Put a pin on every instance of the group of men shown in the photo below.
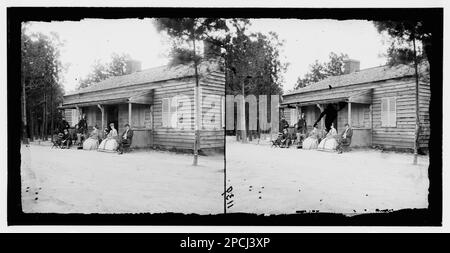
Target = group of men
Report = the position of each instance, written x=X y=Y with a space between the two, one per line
x=344 y=139
x=77 y=136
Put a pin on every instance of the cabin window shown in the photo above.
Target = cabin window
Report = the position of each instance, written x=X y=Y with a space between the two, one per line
x=169 y=112
x=389 y=112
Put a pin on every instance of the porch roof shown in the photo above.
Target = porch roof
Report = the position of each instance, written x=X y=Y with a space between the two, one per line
x=142 y=97
x=361 y=97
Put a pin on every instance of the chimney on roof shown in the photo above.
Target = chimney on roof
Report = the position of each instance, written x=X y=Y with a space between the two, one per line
x=132 y=66
x=210 y=50
x=351 y=66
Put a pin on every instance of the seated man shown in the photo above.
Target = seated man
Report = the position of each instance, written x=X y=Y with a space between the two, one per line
x=125 y=138
x=285 y=139
x=66 y=139
x=346 y=139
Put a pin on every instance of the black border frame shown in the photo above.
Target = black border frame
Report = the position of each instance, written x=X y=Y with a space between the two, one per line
x=408 y=217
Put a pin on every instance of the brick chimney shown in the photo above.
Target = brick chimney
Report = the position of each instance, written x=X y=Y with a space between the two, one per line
x=351 y=66
x=132 y=66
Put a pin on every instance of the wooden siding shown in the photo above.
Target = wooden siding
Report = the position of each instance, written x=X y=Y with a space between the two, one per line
x=403 y=89
x=183 y=136
x=147 y=119
x=424 y=115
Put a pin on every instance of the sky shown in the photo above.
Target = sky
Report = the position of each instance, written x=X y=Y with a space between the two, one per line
x=89 y=40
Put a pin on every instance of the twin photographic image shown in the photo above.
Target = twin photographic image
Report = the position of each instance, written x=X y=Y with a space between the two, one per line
x=224 y=115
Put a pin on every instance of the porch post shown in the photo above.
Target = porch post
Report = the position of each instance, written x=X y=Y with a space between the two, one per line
x=299 y=110
x=129 y=113
x=349 y=116
x=78 y=113
x=103 y=117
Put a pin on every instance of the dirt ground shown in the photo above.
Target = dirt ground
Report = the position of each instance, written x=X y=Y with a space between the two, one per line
x=268 y=180
x=78 y=181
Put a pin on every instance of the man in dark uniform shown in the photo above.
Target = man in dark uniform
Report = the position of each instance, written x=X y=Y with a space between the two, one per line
x=301 y=129
x=82 y=124
x=283 y=124
x=63 y=124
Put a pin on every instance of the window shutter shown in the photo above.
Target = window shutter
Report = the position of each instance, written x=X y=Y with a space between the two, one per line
x=392 y=112
x=165 y=112
x=384 y=112
x=173 y=112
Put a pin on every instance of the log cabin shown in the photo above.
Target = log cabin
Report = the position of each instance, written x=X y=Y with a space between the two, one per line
x=159 y=105
x=379 y=105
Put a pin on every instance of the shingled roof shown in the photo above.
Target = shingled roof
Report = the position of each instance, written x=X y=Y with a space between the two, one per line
x=150 y=75
x=359 y=77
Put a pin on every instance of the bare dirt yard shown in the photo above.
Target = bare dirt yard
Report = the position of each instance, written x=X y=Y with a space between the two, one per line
x=268 y=180
x=78 y=181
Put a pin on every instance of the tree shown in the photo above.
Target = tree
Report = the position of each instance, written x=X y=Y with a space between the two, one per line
x=410 y=32
x=403 y=33
x=253 y=59
x=101 y=71
x=185 y=31
x=319 y=71
x=40 y=74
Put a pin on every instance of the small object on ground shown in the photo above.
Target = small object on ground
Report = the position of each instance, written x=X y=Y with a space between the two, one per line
x=365 y=210
x=377 y=210
x=250 y=186
x=35 y=198
x=259 y=197
x=301 y=211
x=259 y=192
x=26 y=191
x=354 y=211
x=262 y=187
x=28 y=187
x=320 y=200
x=36 y=193
x=367 y=195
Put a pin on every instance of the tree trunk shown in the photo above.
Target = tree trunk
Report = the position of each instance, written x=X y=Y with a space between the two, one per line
x=44 y=116
x=24 y=113
x=243 y=121
x=51 y=112
x=197 y=106
x=417 y=130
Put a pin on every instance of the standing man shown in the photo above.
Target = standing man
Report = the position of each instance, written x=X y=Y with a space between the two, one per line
x=346 y=139
x=63 y=124
x=125 y=138
x=82 y=124
x=301 y=128
x=283 y=124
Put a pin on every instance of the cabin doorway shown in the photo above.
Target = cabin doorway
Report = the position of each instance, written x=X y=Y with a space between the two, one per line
x=112 y=116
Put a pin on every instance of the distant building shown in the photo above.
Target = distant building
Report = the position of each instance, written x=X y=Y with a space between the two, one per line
x=158 y=103
x=379 y=104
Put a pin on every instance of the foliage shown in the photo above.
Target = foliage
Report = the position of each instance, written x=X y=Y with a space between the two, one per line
x=250 y=58
x=402 y=34
x=41 y=70
x=319 y=71
x=185 y=31
x=253 y=59
x=101 y=71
